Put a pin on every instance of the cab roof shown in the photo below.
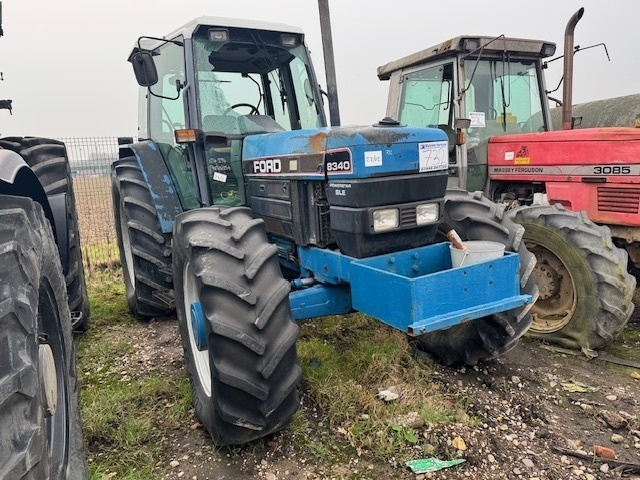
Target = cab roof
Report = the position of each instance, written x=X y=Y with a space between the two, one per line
x=451 y=47
x=189 y=28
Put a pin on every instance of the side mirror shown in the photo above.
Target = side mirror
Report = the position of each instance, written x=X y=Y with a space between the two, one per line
x=462 y=123
x=144 y=68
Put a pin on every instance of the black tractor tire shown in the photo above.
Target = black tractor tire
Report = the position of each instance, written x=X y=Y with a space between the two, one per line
x=585 y=290
x=48 y=160
x=145 y=251
x=475 y=217
x=244 y=382
x=41 y=430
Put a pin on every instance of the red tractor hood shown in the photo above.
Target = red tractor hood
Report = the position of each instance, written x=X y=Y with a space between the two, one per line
x=592 y=169
x=564 y=148
x=604 y=134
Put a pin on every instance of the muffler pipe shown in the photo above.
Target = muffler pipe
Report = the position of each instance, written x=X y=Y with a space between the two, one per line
x=567 y=91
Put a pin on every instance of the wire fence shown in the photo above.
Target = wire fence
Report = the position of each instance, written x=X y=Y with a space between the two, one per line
x=90 y=159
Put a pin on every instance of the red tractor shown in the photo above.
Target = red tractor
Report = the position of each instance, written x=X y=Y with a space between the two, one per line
x=576 y=192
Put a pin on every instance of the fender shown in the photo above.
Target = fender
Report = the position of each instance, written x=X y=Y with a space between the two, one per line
x=159 y=181
x=17 y=179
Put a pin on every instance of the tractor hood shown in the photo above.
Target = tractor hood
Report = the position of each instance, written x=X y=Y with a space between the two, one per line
x=565 y=152
x=347 y=152
x=607 y=134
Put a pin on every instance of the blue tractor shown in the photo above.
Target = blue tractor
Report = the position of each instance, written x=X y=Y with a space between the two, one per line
x=242 y=210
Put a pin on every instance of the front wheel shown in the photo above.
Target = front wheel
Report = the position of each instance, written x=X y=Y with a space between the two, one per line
x=475 y=217
x=237 y=330
x=40 y=427
x=585 y=290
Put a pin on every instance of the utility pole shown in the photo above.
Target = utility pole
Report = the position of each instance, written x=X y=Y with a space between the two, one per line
x=329 y=62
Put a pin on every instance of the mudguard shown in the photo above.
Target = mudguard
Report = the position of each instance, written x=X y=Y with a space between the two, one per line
x=159 y=181
x=17 y=178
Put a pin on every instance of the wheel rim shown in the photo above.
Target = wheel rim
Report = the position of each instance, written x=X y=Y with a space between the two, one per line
x=200 y=358
x=56 y=426
x=557 y=299
x=126 y=246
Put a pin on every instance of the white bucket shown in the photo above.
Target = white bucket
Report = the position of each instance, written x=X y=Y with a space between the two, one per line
x=479 y=251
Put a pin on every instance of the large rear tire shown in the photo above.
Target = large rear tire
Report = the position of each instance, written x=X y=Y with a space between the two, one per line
x=475 y=217
x=41 y=431
x=48 y=160
x=244 y=380
x=145 y=251
x=585 y=290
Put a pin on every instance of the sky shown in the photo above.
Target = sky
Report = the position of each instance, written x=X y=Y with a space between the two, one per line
x=64 y=62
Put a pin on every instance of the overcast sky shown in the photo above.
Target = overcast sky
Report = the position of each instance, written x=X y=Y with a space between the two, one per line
x=65 y=68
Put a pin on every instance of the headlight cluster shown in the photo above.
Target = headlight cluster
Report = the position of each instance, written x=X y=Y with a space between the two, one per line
x=427 y=213
x=389 y=218
x=385 y=220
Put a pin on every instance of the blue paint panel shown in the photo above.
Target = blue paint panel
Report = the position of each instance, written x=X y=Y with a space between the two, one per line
x=325 y=265
x=413 y=289
x=416 y=290
x=159 y=182
x=397 y=146
x=320 y=300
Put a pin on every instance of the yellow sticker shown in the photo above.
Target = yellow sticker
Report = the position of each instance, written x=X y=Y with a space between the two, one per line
x=522 y=161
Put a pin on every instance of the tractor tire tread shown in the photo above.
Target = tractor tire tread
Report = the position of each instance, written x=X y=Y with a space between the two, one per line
x=48 y=160
x=149 y=247
x=28 y=260
x=475 y=217
x=603 y=273
x=252 y=335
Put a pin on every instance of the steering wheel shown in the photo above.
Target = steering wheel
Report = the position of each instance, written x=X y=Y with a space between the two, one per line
x=254 y=110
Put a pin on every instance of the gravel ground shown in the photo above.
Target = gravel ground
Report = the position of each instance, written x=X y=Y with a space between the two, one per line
x=529 y=403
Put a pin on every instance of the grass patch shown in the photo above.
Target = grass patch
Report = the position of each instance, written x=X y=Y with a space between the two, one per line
x=126 y=413
x=346 y=361
x=124 y=423
x=627 y=345
x=107 y=299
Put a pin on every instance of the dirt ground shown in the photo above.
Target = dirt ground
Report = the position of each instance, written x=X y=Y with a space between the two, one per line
x=530 y=403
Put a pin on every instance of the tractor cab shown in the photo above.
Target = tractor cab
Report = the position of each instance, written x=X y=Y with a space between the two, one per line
x=222 y=79
x=488 y=86
x=235 y=112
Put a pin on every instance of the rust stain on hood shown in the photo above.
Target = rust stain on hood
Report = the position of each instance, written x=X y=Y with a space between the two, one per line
x=317 y=142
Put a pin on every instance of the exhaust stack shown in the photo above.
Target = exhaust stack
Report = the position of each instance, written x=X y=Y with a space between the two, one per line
x=567 y=91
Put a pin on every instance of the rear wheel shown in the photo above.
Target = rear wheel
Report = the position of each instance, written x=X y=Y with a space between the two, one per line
x=585 y=290
x=475 y=217
x=236 y=325
x=48 y=160
x=41 y=434
x=145 y=251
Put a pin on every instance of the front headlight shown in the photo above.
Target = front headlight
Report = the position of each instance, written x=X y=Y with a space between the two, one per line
x=384 y=220
x=427 y=213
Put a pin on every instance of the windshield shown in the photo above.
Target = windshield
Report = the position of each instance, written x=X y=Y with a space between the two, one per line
x=503 y=97
x=252 y=84
x=426 y=97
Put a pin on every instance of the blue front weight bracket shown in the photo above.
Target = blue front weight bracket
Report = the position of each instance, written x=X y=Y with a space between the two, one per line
x=416 y=291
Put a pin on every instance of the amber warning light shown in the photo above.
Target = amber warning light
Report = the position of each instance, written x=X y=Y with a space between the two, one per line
x=187 y=136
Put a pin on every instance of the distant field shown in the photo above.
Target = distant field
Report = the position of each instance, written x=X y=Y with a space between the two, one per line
x=95 y=219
